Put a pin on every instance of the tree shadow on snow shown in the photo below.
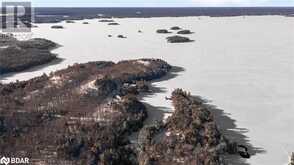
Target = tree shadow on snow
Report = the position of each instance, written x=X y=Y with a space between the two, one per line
x=225 y=123
x=229 y=129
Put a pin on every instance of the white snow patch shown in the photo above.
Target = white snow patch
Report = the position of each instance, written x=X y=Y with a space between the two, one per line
x=146 y=63
x=88 y=87
x=166 y=116
x=31 y=94
x=56 y=80
x=105 y=113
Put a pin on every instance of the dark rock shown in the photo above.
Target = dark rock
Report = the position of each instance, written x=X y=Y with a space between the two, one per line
x=70 y=21
x=121 y=36
x=109 y=35
x=106 y=20
x=113 y=23
x=243 y=151
x=162 y=31
x=57 y=27
x=85 y=22
x=139 y=31
x=185 y=32
x=175 y=28
x=178 y=39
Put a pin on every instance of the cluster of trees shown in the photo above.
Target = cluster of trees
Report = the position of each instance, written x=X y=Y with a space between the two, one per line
x=190 y=135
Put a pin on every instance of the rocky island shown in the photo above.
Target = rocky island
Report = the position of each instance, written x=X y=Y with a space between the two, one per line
x=175 y=28
x=113 y=23
x=20 y=55
x=184 y=32
x=178 y=39
x=121 y=36
x=57 y=27
x=106 y=20
x=70 y=21
x=162 y=31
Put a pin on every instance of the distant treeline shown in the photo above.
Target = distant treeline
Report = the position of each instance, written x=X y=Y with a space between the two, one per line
x=58 y=14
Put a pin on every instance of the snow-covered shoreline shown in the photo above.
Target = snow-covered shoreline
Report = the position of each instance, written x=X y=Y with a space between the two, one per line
x=243 y=64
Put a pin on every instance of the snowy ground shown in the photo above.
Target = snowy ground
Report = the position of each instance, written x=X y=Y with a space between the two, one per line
x=244 y=65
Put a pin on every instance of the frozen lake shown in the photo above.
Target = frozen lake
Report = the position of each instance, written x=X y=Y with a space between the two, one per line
x=244 y=65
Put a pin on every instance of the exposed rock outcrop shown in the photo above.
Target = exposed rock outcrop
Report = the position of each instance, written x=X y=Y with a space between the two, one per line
x=162 y=31
x=184 y=32
x=70 y=21
x=178 y=39
x=113 y=23
x=106 y=20
x=57 y=27
x=175 y=28
x=121 y=36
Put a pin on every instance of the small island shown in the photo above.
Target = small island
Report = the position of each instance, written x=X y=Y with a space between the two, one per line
x=175 y=28
x=162 y=31
x=70 y=21
x=184 y=32
x=178 y=39
x=57 y=27
x=106 y=20
x=17 y=55
x=121 y=36
x=113 y=23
